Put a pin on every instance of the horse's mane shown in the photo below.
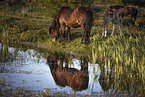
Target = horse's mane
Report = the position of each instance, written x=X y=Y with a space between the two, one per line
x=55 y=22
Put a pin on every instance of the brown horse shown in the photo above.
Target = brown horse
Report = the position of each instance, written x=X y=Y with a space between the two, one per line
x=64 y=76
x=124 y=11
x=72 y=18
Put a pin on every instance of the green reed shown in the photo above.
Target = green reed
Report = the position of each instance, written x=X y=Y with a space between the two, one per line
x=125 y=54
x=5 y=35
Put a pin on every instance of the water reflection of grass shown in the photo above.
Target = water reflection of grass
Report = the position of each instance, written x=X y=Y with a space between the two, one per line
x=126 y=56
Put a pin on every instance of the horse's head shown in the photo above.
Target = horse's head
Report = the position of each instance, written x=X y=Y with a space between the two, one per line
x=111 y=14
x=55 y=35
x=54 y=32
x=53 y=57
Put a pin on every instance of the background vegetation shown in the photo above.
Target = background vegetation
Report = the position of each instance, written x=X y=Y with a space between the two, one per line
x=28 y=21
x=50 y=7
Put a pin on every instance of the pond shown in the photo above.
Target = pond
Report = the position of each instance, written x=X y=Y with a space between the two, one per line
x=31 y=69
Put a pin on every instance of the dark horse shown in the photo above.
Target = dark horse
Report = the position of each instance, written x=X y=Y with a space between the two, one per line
x=124 y=11
x=72 y=18
x=67 y=76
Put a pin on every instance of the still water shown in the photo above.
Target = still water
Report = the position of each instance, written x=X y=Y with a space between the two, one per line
x=34 y=70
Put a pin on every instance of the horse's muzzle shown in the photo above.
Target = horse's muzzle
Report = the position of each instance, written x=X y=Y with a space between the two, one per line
x=53 y=39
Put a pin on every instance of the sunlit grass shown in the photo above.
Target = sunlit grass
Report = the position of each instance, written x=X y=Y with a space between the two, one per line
x=5 y=34
x=126 y=55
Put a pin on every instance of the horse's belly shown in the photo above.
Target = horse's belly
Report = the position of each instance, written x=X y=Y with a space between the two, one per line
x=76 y=25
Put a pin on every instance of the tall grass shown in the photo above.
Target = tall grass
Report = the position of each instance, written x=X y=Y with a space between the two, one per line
x=23 y=29
x=126 y=55
x=5 y=35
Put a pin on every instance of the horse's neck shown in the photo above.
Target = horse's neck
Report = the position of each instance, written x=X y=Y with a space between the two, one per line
x=55 y=25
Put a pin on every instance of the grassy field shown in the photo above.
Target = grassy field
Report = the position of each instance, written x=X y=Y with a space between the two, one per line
x=123 y=53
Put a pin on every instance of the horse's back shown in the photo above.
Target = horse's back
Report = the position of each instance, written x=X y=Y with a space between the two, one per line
x=74 y=17
x=65 y=12
x=85 y=10
x=124 y=11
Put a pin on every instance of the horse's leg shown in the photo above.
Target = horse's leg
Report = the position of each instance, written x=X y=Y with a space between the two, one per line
x=113 y=27
x=87 y=39
x=119 y=26
x=63 y=33
x=66 y=62
x=68 y=32
x=133 y=16
x=83 y=28
x=105 y=29
x=87 y=32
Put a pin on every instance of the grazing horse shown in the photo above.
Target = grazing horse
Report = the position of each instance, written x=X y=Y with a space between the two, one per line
x=113 y=16
x=124 y=11
x=72 y=18
x=67 y=76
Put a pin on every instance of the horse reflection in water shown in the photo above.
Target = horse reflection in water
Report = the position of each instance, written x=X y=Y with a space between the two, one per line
x=64 y=76
x=106 y=78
